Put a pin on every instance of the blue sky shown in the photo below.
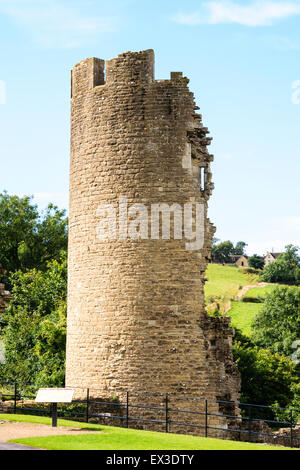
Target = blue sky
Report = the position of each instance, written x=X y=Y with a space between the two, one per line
x=242 y=59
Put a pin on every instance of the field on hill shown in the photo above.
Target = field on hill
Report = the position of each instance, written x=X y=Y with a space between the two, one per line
x=260 y=292
x=242 y=315
x=225 y=282
x=113 y=438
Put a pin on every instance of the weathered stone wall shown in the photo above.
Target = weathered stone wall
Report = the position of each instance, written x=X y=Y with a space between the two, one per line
x=136 y=317
x=5 y=298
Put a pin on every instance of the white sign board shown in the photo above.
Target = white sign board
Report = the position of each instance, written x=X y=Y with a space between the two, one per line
x=54 y=395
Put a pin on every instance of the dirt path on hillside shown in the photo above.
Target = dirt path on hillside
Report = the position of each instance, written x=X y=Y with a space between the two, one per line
x=246 y=289
x=14 y=430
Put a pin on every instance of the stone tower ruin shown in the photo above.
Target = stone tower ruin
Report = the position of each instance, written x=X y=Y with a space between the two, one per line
x=136 y=312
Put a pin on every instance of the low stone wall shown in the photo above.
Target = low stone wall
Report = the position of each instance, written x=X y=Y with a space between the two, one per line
x=283 y=437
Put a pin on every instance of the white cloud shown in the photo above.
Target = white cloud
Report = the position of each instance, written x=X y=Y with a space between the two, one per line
x=54 y=24
x=258 y=13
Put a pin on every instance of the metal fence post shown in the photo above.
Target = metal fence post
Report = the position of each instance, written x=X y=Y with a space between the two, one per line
x=15 y=397
x=292 y=436
x=87 y=405
x=127 y=409
x=250 y=424
x=167 y=413
x=206 y=418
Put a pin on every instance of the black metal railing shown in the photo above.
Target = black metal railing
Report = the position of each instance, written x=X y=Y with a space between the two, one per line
x=203 y=415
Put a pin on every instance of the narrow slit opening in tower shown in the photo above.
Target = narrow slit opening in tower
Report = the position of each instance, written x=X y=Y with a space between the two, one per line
x=202 y=178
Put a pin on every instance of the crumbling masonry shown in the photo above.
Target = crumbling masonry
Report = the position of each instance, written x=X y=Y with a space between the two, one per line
x=136 y=314
x=5 y=298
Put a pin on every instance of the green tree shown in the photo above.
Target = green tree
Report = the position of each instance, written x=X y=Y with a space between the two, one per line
x=34 y=326
x=222 y=252
x=277 y=325
x=239 y=248
x=267 y=378
x=291 y=255
x=256 y=262
x=27 y=239
x=285 y=269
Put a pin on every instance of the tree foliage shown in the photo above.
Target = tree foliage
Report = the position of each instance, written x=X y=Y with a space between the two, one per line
x=277 y=325
x=285 y=269
x=255 y=261
x=222 y=252
x=268 y=378
x=27 y=239
x=34 y=326
x=240 y=248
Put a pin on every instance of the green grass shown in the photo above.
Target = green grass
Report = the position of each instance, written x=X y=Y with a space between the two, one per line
x=125 y=439
x=46 y=420
x=224 y=281
x=242 y=315
x=260 y=292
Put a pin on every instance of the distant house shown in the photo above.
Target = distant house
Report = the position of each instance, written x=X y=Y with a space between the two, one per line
x=270 y=257
x=240 y=260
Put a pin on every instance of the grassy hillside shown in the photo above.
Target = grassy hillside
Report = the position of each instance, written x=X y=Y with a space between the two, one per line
x=260 y=292
x=225 y=281
x=242 y=315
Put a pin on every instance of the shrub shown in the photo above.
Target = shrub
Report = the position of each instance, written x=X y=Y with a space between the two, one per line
x=267 y=378
x=277 y=325
x=34 y=327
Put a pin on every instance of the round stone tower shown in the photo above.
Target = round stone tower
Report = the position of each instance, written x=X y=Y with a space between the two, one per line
x=140 y=239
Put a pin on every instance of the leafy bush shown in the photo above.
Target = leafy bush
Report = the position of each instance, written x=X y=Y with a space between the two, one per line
x=277 y=325
x=286 y=268
x=34 y=326
x=256 y=262
x=254 y=300
x=267 y=378
x=252 y=271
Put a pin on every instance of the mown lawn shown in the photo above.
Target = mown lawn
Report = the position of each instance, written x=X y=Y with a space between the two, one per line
x=224 y=281
x=125 y=439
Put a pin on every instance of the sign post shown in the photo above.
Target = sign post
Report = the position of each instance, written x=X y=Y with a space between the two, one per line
x=54 y=415
x=54 y=396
